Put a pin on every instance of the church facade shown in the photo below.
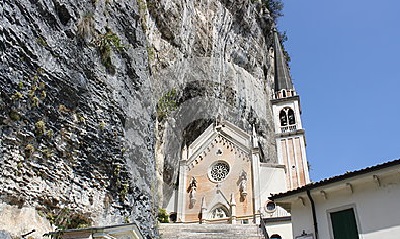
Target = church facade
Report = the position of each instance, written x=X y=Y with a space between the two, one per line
x=222 y=178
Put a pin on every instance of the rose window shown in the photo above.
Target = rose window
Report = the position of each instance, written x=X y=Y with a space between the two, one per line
x=219 y=171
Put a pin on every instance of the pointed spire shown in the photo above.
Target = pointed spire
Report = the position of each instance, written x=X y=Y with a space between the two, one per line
x=255 y=140
x=203 y=203
x=232 y=201
x=185 y=152
x=282 y=75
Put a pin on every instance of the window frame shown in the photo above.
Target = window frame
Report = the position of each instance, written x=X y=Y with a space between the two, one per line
x=342 y=208
x=285 y=111
x=210 y=177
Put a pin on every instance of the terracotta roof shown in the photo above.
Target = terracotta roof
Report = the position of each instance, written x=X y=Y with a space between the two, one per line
x=334 y=179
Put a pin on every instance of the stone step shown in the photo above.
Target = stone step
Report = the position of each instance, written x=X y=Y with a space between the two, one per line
x=202 y=233
x=209 y=231
x=193 y=236
x=210 y=226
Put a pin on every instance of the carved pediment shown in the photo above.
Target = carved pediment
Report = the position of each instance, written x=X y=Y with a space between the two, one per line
x=230 y=136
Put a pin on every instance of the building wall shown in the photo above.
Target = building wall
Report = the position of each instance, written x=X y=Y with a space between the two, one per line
x=375 y=207
x=237 y=161
x=272 y=181
x=292 y=151
x=302 y=217
x=281 y=228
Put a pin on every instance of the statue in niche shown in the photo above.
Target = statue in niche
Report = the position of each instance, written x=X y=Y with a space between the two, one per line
x=193 y=184
x=243 y=184
x=192 y=191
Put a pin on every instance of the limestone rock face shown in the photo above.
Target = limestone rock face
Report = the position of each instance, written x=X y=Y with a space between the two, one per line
x=77 y=125
x=98 y=98
x=208 y=59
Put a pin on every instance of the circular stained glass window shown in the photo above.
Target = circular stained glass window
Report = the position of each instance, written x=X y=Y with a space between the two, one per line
x=219 y=171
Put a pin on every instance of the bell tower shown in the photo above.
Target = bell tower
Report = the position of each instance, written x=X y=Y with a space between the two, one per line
x=289 y=132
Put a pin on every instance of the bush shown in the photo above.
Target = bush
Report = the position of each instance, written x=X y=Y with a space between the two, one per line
x=275 y=8
x=40 y=127
x=163 y=215
x=166 y=104
x=107 y=42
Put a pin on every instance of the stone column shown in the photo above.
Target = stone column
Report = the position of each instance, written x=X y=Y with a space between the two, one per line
x=233 y=209
x=180 y=217
x=255 y=166
x=203 y=210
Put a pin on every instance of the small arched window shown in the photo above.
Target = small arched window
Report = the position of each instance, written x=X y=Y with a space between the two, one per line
x=291 y=117
x=287 y=117
x=283 y=118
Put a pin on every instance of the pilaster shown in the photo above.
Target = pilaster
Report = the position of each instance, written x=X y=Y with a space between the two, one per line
x=181 y=192
x=255 y=165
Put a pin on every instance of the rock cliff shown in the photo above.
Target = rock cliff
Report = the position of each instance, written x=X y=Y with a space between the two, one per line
x=208 y=59
x=98 y=97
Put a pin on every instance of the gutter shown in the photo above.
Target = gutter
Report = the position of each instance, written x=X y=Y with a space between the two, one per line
x=339 y=178
x=313 y=214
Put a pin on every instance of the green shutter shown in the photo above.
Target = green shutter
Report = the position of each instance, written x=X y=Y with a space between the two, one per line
x=344 y=224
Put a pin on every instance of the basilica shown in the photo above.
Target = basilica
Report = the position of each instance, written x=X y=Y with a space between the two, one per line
x=222 y=178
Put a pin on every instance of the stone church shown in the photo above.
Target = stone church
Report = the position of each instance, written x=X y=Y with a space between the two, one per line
x=221 y=176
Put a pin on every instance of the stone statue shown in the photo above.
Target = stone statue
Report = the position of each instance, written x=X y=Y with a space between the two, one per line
x=193 y=185
x=192 y=191
x=243 y=183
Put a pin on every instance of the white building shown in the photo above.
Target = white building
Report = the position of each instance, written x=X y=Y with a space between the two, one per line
x=362 y=204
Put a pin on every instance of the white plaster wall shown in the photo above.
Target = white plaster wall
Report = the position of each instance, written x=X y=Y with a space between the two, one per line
x=297 y=111
x=283 y=229
x=376 y=208
x=272 y=180
x=302 y=217
x=171 y=207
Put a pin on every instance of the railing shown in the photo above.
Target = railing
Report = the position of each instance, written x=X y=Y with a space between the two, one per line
x=263 y=228
x=289 y=128
x=239 y=220
x=283 y=94
x=244 y=219
x=218 y=220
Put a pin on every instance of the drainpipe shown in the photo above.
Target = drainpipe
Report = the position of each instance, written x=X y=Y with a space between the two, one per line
x=313 y=214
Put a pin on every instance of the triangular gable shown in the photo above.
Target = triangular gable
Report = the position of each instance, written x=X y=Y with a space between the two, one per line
x=216 y=201
x=240 y=140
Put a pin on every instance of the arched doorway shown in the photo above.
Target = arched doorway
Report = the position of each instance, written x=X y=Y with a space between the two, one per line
x=275 y=236
x=219 y=212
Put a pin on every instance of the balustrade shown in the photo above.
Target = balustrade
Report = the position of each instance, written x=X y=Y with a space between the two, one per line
x=288 y=128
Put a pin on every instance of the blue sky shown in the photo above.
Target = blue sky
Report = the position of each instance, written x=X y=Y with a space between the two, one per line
x=345 y=66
